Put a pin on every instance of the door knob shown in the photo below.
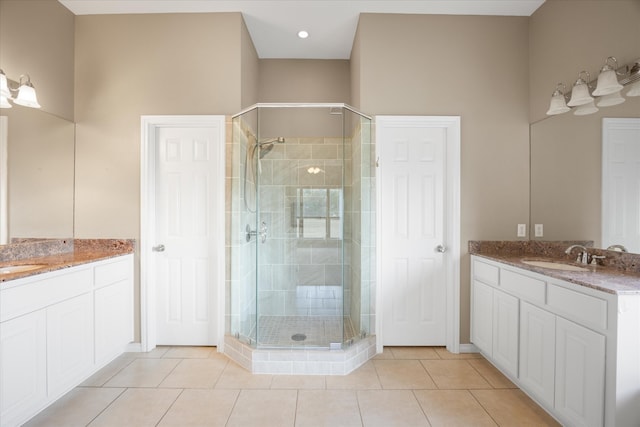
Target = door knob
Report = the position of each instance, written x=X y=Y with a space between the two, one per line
x=158 y=248
x=441 y=248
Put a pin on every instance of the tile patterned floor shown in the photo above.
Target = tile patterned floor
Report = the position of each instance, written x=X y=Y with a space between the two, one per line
x=319 y=331
x=196 y=386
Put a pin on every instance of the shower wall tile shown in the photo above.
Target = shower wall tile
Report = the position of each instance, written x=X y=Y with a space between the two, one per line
x=284 y=171
x=326 y=151
x=311 y=275
x=325 y=255
x=333 y=274
x=272 y=198
x=265 y=170
x=312 y=140
x=332 y=175
x=297 y=151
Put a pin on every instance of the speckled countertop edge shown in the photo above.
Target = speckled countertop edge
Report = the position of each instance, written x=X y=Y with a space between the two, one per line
x=74 y=252
x=608 y=278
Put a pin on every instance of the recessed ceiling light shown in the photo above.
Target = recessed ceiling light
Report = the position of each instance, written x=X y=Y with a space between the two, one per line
x=303 y=34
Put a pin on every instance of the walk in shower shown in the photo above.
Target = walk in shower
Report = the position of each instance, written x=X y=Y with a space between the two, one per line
x=302 y=227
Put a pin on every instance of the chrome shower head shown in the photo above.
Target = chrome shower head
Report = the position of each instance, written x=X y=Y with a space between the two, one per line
x=267 y=145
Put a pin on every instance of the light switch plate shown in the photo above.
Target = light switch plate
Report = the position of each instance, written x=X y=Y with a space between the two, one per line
x=522 y=230
x=538 y=230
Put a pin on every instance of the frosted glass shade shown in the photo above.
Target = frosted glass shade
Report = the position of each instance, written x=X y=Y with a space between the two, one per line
x=610 y=99
x=580 y=94
x=634 y=90
x=27 y=96
x=558 y=105
x=607 y=83
x=4 y=86
x=586 y=109
x=4 y=102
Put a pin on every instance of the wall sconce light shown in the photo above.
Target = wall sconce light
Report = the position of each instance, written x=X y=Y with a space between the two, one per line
x=26 y=92
x=609 y=85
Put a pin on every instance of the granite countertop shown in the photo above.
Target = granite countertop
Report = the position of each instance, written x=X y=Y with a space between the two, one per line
x=603 y=279
x=69 y=254
x=618 y=274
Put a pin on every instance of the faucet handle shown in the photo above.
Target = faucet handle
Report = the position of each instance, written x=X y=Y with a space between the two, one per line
x=595 y=258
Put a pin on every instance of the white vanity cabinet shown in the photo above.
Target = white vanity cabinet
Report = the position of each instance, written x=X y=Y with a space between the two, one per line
x=57 y=329
x=571 y=343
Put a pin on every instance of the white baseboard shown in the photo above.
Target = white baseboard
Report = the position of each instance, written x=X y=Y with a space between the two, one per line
x=134 y=347
x=469 y=348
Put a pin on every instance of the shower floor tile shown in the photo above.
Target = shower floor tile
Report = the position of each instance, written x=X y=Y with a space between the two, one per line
x=311 y=331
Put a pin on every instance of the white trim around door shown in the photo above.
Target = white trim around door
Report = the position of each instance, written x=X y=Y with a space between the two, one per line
x=149 y=128
x=452 y=233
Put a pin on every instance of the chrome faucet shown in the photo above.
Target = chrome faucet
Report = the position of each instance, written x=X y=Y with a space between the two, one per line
x=617 y=248
x=584 y=255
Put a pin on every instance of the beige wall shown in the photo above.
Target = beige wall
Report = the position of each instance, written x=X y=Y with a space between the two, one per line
x=37 y=38
x=133 y=65
x=250 y=68
x=566 y=37
x=566 y=150
x=473 y=67
x=304 y=80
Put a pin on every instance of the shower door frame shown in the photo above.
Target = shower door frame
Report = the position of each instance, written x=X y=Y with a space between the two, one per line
x=256 y=226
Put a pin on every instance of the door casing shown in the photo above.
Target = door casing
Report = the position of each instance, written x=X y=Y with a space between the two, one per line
x=149 y=128
x=452 y=232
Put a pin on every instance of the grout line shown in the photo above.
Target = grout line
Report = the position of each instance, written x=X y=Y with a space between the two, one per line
x=170 y=406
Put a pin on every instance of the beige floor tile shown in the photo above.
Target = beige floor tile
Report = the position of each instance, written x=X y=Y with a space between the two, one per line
x=414 y=352
x=137 y=407
x=76 y=408
x=143 y=373
x=156 y=353
x=298 y=382
x=187 y=352
x=201 y=408
x=236 y=377
x=195 y=373
x=363 y=378
x=403 y=374
x=490 y=373
x=445 y=354
x=386 y=354
x=512 y=408
x=105 y=374
x=386 y=408
x=454 y=374
x=331 y=408
x=264 y=408
x=452 y=408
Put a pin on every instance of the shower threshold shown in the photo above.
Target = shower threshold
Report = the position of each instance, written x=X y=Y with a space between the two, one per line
x=300 y=360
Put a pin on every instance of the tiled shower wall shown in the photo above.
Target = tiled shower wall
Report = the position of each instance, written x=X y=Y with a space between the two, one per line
x=289 y=264
x=288 y=261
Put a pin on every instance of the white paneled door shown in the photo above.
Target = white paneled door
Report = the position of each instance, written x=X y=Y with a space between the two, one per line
x=184 y=245
x=621 y=183
x=412 y=177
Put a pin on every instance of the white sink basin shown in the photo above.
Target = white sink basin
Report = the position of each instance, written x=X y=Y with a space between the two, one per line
x=554 y=265
x=8 y=269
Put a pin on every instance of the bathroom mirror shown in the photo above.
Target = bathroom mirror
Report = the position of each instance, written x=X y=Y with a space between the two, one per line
x=566 y=171
x=37 y=175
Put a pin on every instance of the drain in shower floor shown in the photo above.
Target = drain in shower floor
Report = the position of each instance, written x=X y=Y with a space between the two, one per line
x=298 y=337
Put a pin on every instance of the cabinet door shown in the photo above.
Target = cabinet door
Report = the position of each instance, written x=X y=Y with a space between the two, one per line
x=538 y=352
x=113 y=320
x=23 y=364
x=505 y=331
x=69 y=343
x=580 y=369
x=482 y=317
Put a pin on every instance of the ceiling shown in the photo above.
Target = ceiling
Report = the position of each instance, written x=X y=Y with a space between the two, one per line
x=331 y=24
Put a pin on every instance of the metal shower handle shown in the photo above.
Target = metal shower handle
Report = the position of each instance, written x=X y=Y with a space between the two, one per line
x=263 y=232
